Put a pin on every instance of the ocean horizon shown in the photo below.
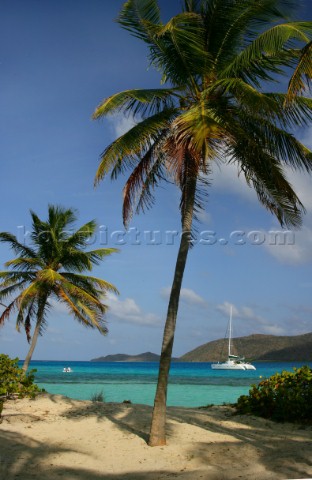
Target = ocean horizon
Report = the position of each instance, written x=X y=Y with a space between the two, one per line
x=191 y=384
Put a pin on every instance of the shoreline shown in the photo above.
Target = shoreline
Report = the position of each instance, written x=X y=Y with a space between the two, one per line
x=57 y=437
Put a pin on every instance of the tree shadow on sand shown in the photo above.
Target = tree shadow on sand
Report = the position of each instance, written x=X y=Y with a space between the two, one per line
x=283 y=450
x=129 y=418
x=22 y=458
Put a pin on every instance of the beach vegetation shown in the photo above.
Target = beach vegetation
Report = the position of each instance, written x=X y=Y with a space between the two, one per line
x=218 y=61
x=98 y=397
x=52 y=268
x=14 y=383
x=284 y=397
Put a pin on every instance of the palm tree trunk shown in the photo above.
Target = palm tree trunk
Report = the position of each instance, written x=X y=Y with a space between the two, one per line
x=32 y=345
x=158 y=426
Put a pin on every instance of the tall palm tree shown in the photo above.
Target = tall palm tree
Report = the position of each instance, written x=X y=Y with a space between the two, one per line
x=51 y=268
x=217 y=59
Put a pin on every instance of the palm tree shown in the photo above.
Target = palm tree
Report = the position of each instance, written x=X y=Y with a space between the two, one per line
x=51 y=268
x=217 y=59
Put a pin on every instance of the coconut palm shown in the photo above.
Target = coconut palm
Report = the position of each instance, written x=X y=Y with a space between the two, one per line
x=217 y=59
x=51 y=269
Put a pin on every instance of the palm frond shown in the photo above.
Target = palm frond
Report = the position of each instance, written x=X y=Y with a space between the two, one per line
x=265 y=174
x=267 y=48
x=16 y=246
x=297 y=85
x=6 y=292
x=96 y=256
x=180 y=51
x=245 y=95
x=297 y=113
x=27 y=296
x=90 y=314
x=76 y=292
x=233 y=24
x=11 y=277
x=24 y=264
x=138 y=102
x=277 y=142
x=5 y=315
x=60 y=218
x=88 y=282
x=122 y=153
x=145 y=177
x=80 y=237
x=136 y=16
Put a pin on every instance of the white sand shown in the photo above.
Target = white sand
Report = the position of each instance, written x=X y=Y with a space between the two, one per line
x=54 y=437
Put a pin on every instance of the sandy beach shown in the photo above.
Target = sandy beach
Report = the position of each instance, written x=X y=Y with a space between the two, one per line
x=54 y=437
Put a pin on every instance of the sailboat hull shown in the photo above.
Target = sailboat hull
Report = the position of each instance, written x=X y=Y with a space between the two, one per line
x=230 y=365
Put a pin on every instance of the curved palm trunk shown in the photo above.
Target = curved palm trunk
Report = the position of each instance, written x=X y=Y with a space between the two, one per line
x=32 y=346
x=40 y=314
x=158 y=426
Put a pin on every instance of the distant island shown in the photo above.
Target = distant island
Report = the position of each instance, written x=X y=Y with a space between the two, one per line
x=256 y=347
x=122 y=357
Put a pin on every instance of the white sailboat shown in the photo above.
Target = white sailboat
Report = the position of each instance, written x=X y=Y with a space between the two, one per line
x=234 y=362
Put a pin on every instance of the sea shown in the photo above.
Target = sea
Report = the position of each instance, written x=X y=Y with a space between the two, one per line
x=190 y=384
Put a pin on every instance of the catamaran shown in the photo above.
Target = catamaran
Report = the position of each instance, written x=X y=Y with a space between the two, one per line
x=234 y=362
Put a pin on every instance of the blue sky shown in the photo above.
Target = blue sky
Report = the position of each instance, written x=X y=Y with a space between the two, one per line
x=58 y=60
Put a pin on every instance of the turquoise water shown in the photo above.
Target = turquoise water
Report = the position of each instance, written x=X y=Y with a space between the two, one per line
x=191 y=384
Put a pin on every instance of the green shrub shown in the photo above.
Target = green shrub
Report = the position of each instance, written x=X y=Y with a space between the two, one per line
x=98 y=397
x=14 y=381
x=283 y=397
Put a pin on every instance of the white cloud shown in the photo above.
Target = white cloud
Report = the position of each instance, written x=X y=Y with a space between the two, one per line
x=187 y=295
x=58 y=306
x=121 y=124
x=227 y=178
x=302 y=184
x=225 y=308
x=274 y=330
x=128 y=311
x=204 y=217
x=299 y=251
x=243 y=312
x=255 y=321
x=294 y=253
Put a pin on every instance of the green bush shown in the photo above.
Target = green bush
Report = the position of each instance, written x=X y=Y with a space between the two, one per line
x=284 y=397
x=14 y=381
x=97 y=397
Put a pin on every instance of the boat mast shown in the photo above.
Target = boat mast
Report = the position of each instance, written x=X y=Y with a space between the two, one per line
x=230 y=331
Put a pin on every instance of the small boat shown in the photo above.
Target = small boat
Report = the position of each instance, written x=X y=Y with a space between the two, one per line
x=233 y=362
x=67 y=370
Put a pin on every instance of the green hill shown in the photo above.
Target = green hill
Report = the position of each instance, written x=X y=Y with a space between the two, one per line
x=256 y=347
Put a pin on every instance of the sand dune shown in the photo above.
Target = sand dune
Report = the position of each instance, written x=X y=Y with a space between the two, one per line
x=54 y=437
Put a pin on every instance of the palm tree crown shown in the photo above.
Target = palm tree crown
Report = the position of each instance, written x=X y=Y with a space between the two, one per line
x=215 y=61
x=51 y=268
